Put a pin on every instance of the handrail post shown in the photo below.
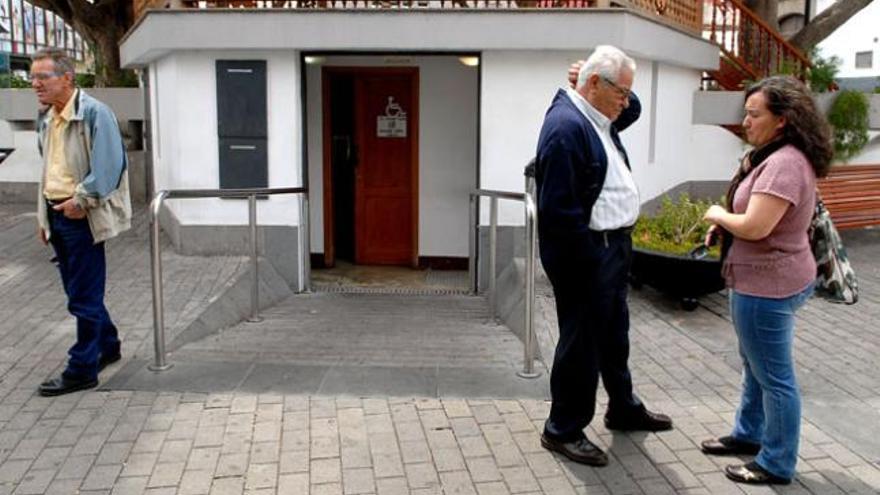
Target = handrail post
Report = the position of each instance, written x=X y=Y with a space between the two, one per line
x=529 y=310
x=252 y=234
x=473 y=228
x=306 y=284
x=493 y=255
x=156 y=271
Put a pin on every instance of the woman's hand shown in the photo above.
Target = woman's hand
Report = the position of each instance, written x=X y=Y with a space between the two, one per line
x=713 y=235
x=714 y=214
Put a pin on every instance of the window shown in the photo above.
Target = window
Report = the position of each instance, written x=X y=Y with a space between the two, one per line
x=864 y=60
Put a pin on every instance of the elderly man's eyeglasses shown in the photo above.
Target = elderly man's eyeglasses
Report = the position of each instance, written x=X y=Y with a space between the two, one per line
x=620 y=90
x=43 y=76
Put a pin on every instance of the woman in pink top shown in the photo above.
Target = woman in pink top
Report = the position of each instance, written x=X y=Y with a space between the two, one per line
x=770 y=270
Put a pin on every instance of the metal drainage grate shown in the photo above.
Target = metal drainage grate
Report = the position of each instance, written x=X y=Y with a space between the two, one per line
x=448 y=278
x=397 y=291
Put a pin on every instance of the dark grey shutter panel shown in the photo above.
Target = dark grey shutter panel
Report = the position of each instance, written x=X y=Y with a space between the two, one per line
x=243 y=163
x=242 y=123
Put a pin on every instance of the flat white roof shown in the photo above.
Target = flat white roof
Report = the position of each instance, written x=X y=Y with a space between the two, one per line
x=160 y=32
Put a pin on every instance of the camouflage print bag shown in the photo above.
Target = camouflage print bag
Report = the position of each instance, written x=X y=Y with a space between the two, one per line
x=835 y=278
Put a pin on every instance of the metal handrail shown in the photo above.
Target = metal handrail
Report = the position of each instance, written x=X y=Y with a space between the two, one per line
x=531 y=218
x=156 y=253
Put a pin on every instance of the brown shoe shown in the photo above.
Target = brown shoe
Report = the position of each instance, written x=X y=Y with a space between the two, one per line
x=727 y=445
x=644 y=420
x=581 y=451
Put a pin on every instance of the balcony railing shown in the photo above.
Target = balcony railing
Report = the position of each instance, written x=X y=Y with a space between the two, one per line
x=751 y=49
x=685 y=14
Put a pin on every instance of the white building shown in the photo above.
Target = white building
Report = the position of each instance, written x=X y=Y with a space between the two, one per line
x=856 y=42
x=391 y=118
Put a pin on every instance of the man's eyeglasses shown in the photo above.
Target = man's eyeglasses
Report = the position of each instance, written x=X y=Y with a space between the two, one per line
x=43 y=76
x=621 y=90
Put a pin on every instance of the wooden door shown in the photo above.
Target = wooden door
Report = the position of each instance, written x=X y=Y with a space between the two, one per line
x=386 y=177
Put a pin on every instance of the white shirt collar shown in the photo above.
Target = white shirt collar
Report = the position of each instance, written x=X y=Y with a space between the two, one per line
x=600 y=120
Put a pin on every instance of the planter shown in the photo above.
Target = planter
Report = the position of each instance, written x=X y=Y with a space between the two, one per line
x=682 y=277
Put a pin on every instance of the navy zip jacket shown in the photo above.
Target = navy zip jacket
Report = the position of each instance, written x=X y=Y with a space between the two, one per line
x=571 y=164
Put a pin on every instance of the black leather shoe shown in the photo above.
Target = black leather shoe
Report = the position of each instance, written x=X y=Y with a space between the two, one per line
x=581 y=451
x=753 y=474
x=64 y=385
x=727 y=445
x=644 y=420
x=107 y=359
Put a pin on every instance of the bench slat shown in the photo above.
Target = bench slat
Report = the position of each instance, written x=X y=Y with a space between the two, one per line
x=852 y=195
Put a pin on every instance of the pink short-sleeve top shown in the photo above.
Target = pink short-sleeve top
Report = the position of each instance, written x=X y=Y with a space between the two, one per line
x=781 y=264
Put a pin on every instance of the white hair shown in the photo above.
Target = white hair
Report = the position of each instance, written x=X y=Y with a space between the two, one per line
x=606 y=61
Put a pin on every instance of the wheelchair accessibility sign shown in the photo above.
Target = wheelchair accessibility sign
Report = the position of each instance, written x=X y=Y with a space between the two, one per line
x=393 y=123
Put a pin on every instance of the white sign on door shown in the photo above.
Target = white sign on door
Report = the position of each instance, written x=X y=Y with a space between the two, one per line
x=393 y=123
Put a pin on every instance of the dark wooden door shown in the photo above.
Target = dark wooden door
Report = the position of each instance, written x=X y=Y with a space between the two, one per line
x=386 y=177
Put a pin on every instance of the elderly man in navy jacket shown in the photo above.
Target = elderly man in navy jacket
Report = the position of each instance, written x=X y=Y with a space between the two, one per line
x=587 y=205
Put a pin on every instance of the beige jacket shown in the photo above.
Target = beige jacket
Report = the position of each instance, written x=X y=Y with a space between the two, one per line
x=96 y=157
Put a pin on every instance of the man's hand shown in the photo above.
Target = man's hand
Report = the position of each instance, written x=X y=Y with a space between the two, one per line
x=41 y=235
x=70 y=210
x=573 y=71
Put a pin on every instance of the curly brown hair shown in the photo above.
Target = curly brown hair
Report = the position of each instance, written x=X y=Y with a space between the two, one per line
x=805 y=127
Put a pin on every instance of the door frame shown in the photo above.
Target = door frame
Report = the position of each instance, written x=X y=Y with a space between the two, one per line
x=327 y=73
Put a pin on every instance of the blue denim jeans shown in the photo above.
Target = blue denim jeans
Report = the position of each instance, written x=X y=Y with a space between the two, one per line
x=83 y=273
x=769 y=412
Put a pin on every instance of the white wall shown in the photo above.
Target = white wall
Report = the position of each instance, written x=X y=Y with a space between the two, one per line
x=23 y=164
x=860 y=33
x=186 y=154
x=516 y=87
x=684 y=151
x=519 y=86
x=870 y=154
x=447 y=148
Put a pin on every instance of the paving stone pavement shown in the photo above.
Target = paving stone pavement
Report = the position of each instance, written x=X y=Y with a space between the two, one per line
x=219 y=442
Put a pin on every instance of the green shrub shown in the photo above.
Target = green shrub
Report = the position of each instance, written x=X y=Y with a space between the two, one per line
x=676 y=229
x=822 y=72
x=848 y=117
x=13 y=81
x=85 y=80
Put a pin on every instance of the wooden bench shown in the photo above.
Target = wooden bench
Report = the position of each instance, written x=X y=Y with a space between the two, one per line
x=852 y=195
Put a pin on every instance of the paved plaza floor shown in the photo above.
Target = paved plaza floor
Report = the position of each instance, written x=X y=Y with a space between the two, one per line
x=374 y=393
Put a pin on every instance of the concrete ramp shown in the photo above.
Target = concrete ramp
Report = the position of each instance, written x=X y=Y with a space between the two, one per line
x=360 y=343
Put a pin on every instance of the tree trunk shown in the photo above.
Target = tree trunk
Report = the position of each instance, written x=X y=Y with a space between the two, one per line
x=755 y=41
x=102 y=24
x=107 y=69
x=767 y=10
x=821 y=26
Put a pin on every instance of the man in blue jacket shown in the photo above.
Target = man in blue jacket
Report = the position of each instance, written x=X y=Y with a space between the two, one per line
x=83 y=201
x=587 y=205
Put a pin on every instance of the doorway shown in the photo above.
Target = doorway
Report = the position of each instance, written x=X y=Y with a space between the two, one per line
x=370 y=165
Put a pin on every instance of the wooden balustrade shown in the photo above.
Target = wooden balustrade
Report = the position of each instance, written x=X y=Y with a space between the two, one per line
x=687 y=14
x=752 y=50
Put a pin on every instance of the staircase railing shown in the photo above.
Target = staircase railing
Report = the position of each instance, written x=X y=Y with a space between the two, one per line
x=751 y=49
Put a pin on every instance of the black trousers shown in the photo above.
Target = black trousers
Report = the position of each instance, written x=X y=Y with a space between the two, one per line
x=589 y=275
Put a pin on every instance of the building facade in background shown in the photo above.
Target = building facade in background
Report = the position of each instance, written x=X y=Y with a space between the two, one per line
x=24 y=29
